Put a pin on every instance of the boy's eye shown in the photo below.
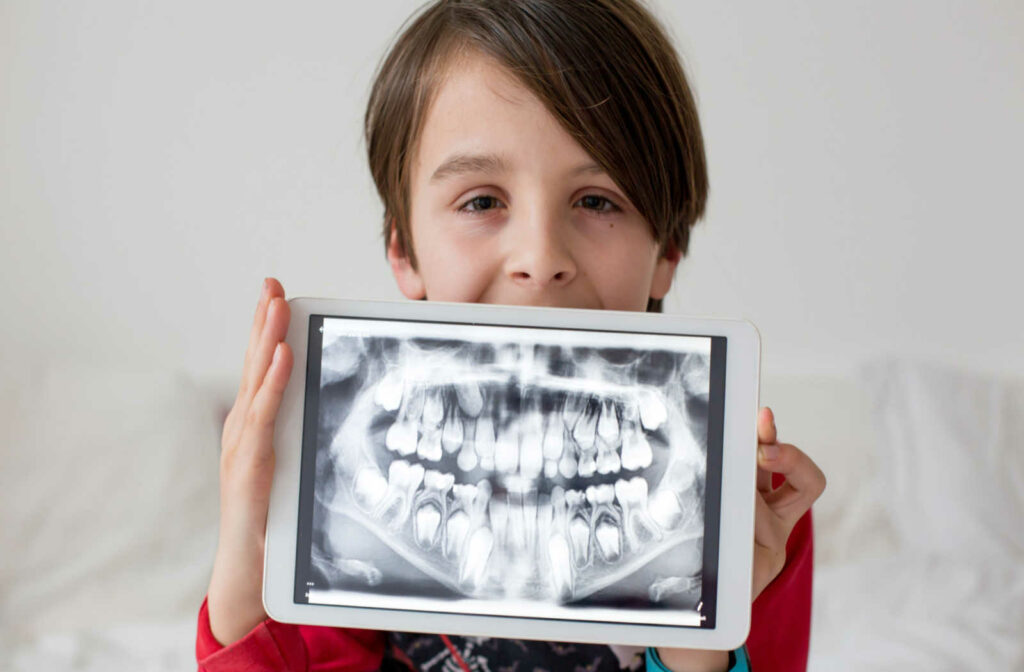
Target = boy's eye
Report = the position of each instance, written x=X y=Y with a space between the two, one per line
x=480 y=204
x=599 y=203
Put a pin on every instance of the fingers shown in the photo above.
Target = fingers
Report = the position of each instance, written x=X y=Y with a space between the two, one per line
x=766 y=432
x=804 y=480
x=271 y=290
x=275 y=328
x=270 y=325
x=764 y=480
x=257 y=322
x=262 y=412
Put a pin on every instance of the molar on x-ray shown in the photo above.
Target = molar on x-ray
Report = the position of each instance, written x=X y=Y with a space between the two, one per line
x=459 y=467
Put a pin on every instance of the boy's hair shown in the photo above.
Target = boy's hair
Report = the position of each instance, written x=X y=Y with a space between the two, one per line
x=605 y=69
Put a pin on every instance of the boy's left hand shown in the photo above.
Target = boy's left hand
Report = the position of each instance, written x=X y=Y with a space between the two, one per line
x=777 y=510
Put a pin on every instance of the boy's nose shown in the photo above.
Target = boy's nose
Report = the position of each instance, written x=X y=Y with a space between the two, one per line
x=539 y=259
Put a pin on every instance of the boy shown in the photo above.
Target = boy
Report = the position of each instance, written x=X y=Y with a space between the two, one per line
x=527 y=152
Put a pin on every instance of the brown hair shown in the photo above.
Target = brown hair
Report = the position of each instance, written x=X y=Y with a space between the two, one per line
x=605 y=69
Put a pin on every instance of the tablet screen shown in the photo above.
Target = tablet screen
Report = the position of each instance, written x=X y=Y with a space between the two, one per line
x=511 y=471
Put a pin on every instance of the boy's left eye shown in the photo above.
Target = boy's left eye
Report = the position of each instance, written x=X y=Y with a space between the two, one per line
x=599 y=203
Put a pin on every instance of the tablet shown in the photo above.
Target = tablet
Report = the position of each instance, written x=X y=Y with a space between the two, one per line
x=520 y=472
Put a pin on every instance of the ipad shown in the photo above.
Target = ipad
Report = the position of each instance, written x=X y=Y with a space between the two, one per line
x=520 y=472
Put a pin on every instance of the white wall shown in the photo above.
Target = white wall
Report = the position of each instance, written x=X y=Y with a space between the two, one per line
x=158 y=159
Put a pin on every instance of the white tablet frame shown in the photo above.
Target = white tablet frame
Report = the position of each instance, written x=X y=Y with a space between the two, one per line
x=737 y=490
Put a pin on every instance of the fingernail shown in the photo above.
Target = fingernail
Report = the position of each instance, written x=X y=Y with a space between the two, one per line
x=769 y=451
x=266 y=288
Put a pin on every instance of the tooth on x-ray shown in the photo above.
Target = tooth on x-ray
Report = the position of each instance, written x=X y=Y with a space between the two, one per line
x=361 y=569
x=670 y=585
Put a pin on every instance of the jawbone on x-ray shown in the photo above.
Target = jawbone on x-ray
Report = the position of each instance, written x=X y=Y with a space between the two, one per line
x=492 y=464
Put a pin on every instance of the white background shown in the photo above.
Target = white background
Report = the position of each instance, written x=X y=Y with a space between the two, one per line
x=157 y=160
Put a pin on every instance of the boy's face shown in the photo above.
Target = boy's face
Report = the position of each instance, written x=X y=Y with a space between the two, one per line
x=505 y=207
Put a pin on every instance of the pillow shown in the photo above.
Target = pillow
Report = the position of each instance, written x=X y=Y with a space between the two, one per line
x=108 y=497
x=950 y=459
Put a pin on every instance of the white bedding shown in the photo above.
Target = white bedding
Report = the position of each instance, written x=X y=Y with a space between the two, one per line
x=108 y=505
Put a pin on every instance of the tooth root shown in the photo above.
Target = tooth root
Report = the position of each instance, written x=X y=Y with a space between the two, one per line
x=455 y=532
x=530 y=521
x=473 y=567
x=553 y=440
x=652 y=410
x=664 y=509
x=516 y=524
x=433 y=409
x=636 y=451
x=561 y=567
x=497 y=512
x=401 y=438
x=579 y=534
x=522 y=522
x=585 y=430
x=426 y=524
x=470 y=397
x=370 y=487
x=572 y=410
x=632 y=496
x=389 y=391
x=588 y=465
x=451 y=434
x=609 y=541
x=608 y=425
x=429 y=447
x=607 y=458
x=506 y=450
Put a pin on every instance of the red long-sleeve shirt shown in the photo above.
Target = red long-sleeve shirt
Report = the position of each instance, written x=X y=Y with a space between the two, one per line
x=778 y=642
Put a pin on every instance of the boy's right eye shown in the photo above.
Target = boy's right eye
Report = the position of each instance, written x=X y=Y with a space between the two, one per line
x=480 y=204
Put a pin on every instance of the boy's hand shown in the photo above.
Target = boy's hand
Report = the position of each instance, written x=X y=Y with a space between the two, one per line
x=777 y=511
x=234 y=598
x=779 y=508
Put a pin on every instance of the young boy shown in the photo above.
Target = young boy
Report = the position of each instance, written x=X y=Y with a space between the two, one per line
x=531 y=152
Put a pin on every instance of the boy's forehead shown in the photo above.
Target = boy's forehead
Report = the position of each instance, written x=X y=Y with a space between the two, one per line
x=481 y=117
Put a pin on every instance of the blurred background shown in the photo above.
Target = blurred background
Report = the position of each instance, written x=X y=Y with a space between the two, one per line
x=158 y=160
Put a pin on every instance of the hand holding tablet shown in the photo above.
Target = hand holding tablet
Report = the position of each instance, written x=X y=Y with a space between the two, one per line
x=519 y=472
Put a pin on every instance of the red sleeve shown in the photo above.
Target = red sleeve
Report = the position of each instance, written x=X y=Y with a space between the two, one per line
x=273 y=646
x=780 y=625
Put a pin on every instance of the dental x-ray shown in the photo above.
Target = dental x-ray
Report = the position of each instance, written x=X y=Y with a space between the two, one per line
x=506 y=470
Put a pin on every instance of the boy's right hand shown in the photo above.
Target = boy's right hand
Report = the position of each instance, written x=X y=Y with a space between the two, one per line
x=234 y=598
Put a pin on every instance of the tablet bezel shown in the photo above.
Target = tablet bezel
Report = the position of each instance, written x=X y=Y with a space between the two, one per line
x=737 y=490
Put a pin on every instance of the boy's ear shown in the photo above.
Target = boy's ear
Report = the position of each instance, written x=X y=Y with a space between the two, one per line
x=665 y=271
x=408 y=279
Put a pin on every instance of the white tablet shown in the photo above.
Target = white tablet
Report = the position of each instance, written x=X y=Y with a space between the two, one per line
x=519 y=472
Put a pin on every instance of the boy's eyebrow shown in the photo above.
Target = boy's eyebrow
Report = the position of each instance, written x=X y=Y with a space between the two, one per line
x=458 y=164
